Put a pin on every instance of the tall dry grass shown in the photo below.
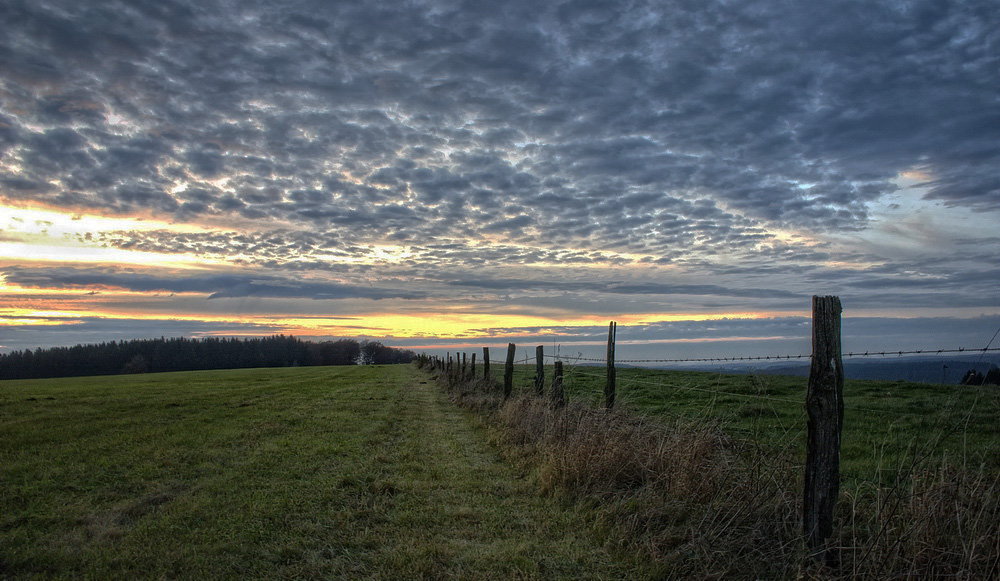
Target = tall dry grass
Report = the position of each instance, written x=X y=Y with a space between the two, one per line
x=696 y=502
x=704 y=505
x=941 y=522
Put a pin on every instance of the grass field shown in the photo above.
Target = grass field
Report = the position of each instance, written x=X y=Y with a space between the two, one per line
x=275 y=473
x=372 y=472
x=887 y=425
x=705 y=472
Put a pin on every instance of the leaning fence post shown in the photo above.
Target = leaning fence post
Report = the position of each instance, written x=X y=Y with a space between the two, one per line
x=558 y=396
x=486 y=363
x=539 y=370
x=508 y=371
x=825 y=406
x=609 y=386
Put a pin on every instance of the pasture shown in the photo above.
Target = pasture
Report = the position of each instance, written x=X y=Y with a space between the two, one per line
x=360 y=472
x=888 y=425
x=373 y=472
x=704 y=472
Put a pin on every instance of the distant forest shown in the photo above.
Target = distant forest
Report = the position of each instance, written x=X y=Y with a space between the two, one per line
x=179 y=354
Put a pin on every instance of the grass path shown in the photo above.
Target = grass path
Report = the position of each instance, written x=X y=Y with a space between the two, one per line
x=358 y=472
x=474 y=515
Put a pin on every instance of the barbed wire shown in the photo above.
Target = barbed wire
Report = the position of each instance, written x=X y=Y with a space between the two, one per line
x=691 y=360
x=582 y=371
x=849 y=355
x=919 y=352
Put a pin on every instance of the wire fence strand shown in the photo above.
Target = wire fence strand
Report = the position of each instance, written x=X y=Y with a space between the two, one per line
x=849 y=355
x=580 y=370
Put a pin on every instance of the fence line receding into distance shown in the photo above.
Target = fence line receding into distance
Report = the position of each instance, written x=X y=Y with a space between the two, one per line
x=824 y=402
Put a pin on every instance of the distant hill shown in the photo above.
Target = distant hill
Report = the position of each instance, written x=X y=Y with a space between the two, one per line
x=918 y=370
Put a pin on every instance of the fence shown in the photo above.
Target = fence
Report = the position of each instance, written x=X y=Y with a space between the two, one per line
x=824 y=403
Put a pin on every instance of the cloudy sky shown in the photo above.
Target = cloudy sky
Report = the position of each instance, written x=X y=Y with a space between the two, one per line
x=444 y=173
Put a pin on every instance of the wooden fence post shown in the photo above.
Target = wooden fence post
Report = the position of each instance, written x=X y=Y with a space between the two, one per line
x=558 y=396
x=472 y=369
x=486 y=363
x=508 y=371
x=540 y=370
x=609 y=386
x=825 y=406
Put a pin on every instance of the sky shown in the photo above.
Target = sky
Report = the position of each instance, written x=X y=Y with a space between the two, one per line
x=442 y=175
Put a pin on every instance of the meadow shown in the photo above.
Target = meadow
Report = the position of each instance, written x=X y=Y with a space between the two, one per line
x=374 y=472
x=704 y=472
x=888 y=425
x=356 y=472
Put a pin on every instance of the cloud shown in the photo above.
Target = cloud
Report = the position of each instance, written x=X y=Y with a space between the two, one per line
x=621 y=288
x=659 y=155
x=782 y=114
x=666 y=342
x=218 y=286
x=92 y=330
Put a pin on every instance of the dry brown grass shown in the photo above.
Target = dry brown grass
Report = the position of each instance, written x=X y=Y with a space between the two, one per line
x=685 y=495
x=944 y=525
x=705 y=505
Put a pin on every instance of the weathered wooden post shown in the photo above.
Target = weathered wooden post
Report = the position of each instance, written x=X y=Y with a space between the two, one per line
x=558 y=396
x=540 y=370
x=825 y=406
x=472 y=369
x=609 y=386
x=508 y=371
x=486 y=363
x=465 y=364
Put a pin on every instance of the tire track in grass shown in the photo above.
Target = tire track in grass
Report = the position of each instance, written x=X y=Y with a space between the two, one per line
x=306 y=473
x=450 y=507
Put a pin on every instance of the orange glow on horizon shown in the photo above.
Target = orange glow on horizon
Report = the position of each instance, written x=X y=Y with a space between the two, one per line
x=463 y=326
x=578 y=343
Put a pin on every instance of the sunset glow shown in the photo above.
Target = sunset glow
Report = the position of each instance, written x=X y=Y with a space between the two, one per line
x=430 y=175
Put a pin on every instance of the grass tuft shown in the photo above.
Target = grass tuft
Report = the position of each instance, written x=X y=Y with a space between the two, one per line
x=940 y=522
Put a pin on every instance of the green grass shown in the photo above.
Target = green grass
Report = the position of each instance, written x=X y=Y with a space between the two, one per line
x=888 y=426
x=703 y=472
x=274 y=473
x=372 y=472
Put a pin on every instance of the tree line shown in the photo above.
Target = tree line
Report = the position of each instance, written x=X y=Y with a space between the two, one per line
x=182 y=354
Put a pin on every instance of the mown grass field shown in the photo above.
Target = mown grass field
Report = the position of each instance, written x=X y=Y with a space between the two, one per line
x=372 y=472
x=356 y=472
x=888 y=426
